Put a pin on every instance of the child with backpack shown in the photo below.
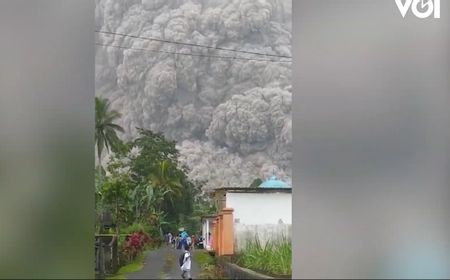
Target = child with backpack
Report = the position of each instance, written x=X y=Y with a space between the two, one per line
x=185 y=263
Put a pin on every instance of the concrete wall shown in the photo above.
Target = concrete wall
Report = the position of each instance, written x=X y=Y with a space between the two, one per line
x=260 y=208
x=243 y=233
x=233 y=271
x=261 y=214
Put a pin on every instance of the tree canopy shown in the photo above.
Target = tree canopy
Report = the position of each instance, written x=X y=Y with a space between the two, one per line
x=147 y=184
x=105 y=127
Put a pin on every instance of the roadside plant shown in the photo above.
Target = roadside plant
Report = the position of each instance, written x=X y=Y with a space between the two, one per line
x=274 y=257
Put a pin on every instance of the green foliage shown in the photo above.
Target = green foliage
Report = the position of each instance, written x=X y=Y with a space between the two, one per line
x=99 y=181
x=114 y=193
x=207 y=264
x=204 y=258
x=155 y=149
x=105 y=128
x=135 y=227
x=150 y=187
x=274 y=257
x=147 y=190
x=201 y=207
x=157 y=165
x=134 y=266
x=256 y=183
x=166 y=179
x=115 y=190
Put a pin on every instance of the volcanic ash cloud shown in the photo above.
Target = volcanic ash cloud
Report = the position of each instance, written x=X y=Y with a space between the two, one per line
x=231 y=117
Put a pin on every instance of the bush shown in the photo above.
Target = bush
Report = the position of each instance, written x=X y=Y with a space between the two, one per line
x=274 y=258
x=136 y=227
x=135 y=243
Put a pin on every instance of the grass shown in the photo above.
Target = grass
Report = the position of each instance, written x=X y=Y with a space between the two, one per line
x=203 y=258
x=134 y=266
x=273 y=258
x=207 y=265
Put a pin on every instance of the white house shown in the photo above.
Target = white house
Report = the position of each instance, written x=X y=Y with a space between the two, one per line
x=264 y=212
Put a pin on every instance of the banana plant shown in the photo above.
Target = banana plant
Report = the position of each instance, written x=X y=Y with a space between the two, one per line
x=158 y=219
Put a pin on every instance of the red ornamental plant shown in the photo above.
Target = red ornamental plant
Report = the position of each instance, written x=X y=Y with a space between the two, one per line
x=135 y=244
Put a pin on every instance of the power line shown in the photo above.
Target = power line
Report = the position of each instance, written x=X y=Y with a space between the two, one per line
x=193 y=54
x=191 y=44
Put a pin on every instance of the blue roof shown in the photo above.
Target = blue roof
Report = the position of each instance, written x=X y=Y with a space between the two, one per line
x=274 y=182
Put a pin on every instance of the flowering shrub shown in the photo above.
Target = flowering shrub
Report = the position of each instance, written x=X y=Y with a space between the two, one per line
x=134 y=244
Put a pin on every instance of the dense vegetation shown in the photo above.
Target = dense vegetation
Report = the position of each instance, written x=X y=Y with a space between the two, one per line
x=143 y=186
x=144 y=183
x=273 y=257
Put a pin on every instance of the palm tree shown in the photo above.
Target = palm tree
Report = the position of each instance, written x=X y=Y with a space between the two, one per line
x=105 y=128
x=167 y=181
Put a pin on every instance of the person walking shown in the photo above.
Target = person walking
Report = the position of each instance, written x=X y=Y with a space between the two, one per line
x=177 y=242
x=194 y=242
x=185 y=263
x=183 y=240
x=184 y=234
x=169 y=239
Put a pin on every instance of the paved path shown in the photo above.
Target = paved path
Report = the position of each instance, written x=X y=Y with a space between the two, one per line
x=163 y=264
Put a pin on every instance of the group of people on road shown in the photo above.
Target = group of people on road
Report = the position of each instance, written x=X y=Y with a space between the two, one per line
x=184 y=242
x=181 y=240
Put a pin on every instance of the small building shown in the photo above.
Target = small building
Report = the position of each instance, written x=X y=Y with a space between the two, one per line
x=264 y=212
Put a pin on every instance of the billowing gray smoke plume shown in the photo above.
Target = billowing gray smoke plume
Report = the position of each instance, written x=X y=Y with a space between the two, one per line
x=231 y=117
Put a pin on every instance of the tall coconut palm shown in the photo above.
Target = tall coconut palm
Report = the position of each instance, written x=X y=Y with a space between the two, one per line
x=105 y=128
x=167 y=180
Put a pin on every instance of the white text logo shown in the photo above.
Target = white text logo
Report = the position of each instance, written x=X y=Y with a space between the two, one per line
x=420 y=8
